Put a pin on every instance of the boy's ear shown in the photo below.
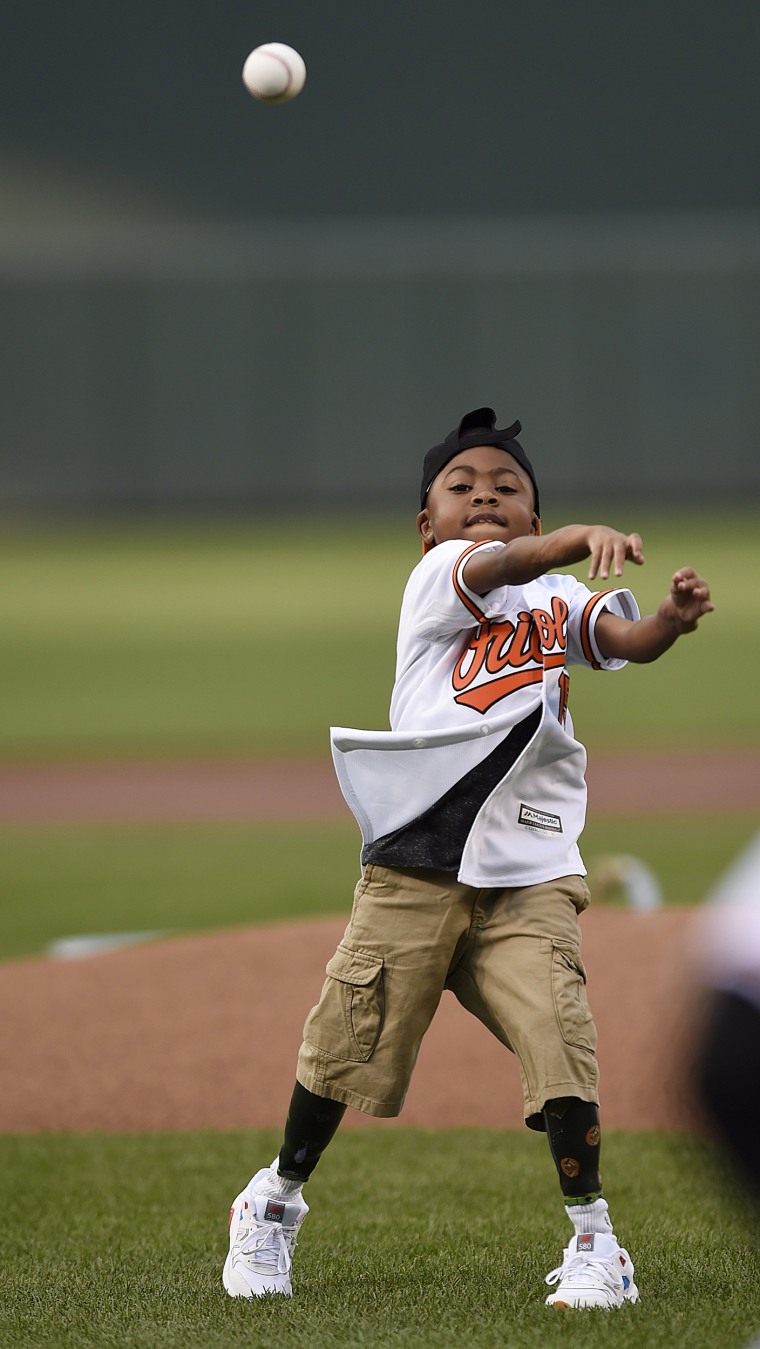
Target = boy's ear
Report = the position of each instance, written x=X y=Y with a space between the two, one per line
x=536 y=524
x=426 y=530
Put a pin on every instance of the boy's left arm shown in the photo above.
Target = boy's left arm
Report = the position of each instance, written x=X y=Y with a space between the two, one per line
x=650 y=637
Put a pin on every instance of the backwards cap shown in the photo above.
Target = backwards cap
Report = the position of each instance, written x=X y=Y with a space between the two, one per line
x=475 y=428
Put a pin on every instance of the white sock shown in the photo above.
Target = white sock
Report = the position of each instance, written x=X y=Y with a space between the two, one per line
x=590 y=1218
x=279 y=1187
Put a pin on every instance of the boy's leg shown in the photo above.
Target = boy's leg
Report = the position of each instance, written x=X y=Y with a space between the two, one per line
x=574 y=1134
x=595 y=1271
x=266 y=1216
x=264 y=1222
x=311 y=1124
x=523 y=976
x=383 y=986
x=360 y=1044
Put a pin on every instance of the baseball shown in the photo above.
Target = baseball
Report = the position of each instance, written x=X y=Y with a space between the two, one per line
x=274 y=73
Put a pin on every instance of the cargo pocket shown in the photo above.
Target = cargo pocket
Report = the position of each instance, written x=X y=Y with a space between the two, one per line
x=570 y=1001
x=348 y=1020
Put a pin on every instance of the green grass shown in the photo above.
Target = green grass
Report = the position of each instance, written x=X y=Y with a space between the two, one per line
x=181 y=641
x=416 y=1238
x=238 y=640
x=686 y=853
x=698 y=694
x=65 y=881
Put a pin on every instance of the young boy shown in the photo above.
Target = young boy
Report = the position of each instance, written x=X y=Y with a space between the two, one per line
x=470 y=809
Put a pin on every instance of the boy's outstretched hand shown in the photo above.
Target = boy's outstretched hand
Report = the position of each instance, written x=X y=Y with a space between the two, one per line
x=688 y=600
x=608 y=549
x=648 y=638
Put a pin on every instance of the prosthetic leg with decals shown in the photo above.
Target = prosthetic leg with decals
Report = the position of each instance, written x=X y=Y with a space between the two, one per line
x=596 y=1271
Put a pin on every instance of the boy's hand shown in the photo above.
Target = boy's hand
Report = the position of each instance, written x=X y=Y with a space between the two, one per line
x=609 y=548
x=688 y=600
x=650 y=637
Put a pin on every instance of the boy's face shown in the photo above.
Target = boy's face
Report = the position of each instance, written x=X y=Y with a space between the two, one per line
x=482 y=493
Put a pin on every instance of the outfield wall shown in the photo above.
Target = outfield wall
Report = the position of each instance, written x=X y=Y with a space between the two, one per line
x=182 y=367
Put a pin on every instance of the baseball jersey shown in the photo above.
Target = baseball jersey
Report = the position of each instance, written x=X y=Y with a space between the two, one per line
x=480 y=773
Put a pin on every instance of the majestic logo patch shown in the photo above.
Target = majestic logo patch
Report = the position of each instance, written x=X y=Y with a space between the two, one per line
x=571 y=1167
x=593 y=1135
x=541 y=821
x=274 y=1211
x=586 y=1242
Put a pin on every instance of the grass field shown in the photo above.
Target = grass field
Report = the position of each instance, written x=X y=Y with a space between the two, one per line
x=415 y=1238
x=189 y=641
x=70 y=880
x=172 y=640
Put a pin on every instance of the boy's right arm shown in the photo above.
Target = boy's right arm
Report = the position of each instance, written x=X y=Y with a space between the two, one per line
x=524 y=559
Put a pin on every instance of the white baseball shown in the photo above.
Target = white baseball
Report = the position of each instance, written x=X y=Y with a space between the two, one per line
x=274 y=73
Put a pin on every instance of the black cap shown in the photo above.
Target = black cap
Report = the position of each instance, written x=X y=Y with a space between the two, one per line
x=475 y=428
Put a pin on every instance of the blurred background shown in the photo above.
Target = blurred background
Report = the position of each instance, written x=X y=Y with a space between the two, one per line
x=231 y=331
x=548 y=207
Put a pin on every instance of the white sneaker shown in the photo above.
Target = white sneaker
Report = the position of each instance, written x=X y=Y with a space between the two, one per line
x=595 y=1272
x=263 y=1235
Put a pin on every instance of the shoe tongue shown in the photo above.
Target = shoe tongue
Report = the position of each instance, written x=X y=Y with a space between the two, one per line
x=274 y=1211
x=277 y=1211
x=588 y=1243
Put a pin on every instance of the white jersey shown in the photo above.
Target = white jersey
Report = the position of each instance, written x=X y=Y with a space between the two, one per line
x=481 y=682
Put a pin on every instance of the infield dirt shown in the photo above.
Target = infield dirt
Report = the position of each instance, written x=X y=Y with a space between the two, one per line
x=203 y=1031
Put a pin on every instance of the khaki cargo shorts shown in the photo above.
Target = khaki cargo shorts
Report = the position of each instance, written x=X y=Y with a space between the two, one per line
x=511 y=957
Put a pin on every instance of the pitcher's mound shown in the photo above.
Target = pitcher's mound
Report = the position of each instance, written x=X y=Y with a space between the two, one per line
x=203 y=1031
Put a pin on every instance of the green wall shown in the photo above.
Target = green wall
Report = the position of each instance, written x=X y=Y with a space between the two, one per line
x=215 y=368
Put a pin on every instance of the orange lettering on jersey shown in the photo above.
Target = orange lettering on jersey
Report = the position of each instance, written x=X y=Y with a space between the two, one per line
x=475 y=651
x=516 y=649
x=485 y=695
x=537 y=641
x=552 y=627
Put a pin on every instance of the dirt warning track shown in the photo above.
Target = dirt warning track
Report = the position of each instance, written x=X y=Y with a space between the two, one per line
x=307 y=789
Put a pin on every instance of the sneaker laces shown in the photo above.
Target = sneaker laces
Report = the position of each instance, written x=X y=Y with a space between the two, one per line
x=266 y=1248
x=574 y=1266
